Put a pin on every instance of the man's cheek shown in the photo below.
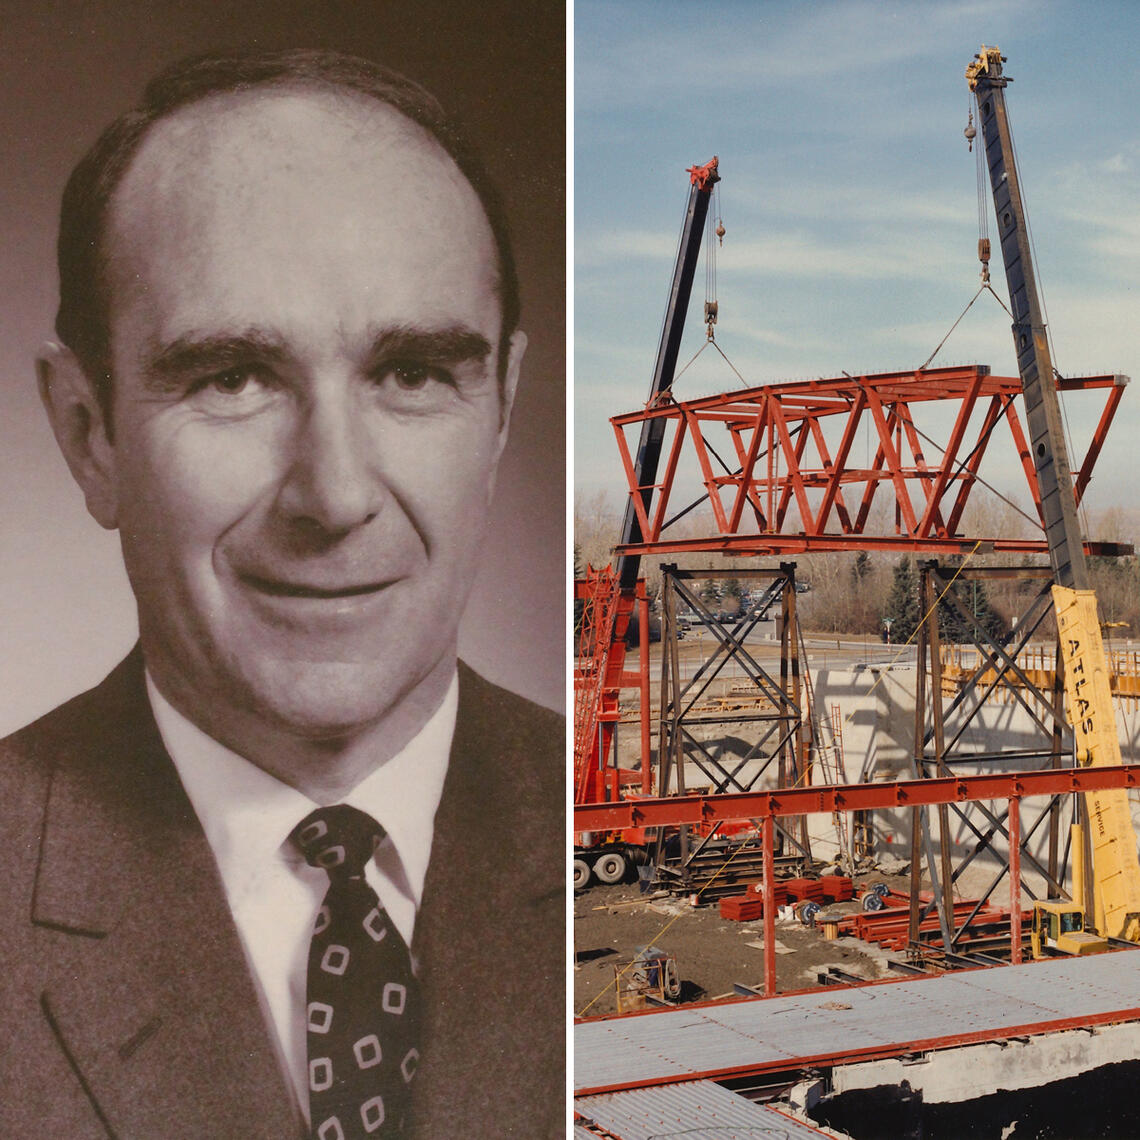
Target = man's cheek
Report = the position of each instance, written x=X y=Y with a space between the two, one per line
x=211 y=477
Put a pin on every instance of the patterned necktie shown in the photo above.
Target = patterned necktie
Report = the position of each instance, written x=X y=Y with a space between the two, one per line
x=362 y=1001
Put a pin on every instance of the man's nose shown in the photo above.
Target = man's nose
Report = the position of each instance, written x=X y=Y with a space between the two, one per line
x=333 y=478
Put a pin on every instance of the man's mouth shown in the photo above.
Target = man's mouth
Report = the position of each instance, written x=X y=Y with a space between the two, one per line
x=285 y=589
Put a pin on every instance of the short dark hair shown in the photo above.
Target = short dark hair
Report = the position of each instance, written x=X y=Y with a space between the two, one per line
x=82 y=322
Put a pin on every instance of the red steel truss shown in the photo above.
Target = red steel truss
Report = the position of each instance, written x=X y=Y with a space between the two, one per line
x=778 y=467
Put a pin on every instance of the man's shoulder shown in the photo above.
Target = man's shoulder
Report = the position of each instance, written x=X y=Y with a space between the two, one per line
x=510 y=719
x=86 y=724
x=508 y=760
x=97 y=743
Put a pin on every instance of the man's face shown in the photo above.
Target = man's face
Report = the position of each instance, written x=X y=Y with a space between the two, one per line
x=307 y=411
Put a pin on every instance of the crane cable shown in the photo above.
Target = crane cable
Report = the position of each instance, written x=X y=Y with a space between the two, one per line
x=983 y=204
x=983 y=238
x=711 y=305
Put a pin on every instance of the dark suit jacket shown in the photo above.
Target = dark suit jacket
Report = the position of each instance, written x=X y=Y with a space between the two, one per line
x=126 y=1006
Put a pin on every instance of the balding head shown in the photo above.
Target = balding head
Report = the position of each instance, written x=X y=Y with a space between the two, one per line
x=83 y=320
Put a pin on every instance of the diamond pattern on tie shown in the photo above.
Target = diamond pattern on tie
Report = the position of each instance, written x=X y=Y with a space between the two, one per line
x=362 y=1002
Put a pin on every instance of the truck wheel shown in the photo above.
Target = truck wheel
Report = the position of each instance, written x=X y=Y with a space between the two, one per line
x=610 y=868
x=581 y=874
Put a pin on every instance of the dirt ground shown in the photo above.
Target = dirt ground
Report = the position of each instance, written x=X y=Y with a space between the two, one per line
x=612 y=923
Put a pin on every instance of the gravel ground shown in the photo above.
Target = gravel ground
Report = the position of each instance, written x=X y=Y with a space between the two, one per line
x=611 y=924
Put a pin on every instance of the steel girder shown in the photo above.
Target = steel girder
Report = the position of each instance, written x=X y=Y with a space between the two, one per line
x=776 y=467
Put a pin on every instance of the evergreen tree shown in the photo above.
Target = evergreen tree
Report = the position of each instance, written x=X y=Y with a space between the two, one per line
x=903 y=610
x=731 y=595
x=579 y=603
x=711 y=593
x=952 y=626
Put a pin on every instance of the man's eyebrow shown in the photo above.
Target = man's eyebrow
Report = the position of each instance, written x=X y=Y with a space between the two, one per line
x=165 y=366
x=451 y=344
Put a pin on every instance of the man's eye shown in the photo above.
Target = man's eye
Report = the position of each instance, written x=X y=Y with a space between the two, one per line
x=233 y=381
x=240 y=390
x=411 y=376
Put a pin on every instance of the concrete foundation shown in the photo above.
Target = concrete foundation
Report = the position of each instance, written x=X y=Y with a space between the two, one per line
x=972 y=1071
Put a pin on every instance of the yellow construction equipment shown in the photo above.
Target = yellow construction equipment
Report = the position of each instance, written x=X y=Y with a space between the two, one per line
x=1059 y=928
x=1115 y=868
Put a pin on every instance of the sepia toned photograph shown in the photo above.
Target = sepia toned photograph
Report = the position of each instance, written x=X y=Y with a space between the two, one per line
x=282 y=498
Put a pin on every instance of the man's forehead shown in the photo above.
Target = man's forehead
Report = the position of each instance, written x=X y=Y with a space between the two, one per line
x=295 y=176
x=290 y=124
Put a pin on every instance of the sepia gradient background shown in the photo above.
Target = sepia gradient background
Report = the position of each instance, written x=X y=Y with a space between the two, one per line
x=67 y=67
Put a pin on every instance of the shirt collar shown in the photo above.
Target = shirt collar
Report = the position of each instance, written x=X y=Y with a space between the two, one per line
x=247 y=814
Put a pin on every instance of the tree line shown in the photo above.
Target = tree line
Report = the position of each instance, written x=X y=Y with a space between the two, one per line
x=858 y=592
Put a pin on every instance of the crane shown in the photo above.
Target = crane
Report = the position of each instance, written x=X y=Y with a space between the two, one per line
x=1115 y=869
x=612 y=593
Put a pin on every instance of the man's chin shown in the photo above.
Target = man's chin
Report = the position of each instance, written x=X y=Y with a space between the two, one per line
x=324 y=706
x=337 y=702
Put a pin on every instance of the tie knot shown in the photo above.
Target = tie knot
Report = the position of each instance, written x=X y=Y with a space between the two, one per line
x=339 y=839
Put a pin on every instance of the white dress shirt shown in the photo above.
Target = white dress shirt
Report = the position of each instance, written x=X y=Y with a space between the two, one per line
x=274 y=895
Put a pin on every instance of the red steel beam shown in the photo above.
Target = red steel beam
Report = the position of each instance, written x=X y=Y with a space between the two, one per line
x=774 y=544
x=769 y=893
x=1099 y=435
x=780 y=802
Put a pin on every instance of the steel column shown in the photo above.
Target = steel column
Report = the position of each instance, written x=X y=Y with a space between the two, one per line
x=769 y=828
x=1015 y=879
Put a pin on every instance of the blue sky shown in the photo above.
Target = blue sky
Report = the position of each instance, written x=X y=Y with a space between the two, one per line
x=848 y=194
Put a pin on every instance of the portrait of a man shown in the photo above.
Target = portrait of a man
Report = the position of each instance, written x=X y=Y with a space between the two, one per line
x=292 y=868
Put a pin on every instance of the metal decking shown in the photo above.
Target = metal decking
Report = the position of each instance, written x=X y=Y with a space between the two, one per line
x=839 y=1025
x=696 y=1110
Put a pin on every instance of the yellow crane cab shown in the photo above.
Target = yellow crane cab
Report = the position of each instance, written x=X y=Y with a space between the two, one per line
x=1059 y=928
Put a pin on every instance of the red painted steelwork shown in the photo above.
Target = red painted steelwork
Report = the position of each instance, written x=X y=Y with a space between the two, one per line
x=769 y=893
x=1014 y=824
x=795 y=485
x=701 y=176
x=599 y=677
x=781 y=802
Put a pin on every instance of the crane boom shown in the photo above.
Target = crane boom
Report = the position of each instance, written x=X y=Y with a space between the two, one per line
x=702 y=180
x=1034 y=363
x=1115 y=866
x=611 y=596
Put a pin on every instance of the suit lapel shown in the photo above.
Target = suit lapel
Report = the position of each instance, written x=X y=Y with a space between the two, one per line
x=153 y=1003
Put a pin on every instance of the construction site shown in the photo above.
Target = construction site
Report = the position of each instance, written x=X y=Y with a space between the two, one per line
x=857 y=887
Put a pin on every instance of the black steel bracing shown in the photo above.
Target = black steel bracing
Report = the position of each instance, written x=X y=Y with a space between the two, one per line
x=1008 y=676
x=731 y=645
x=937 y=749
x=775 y=732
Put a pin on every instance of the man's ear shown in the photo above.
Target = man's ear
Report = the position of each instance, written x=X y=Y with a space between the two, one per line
x=507 y=390
x=77 y=420
x=509 y=387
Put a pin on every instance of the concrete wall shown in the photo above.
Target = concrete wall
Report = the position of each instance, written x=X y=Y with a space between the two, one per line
x=877 y=713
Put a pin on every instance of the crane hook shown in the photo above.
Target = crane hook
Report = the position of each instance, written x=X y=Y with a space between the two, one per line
x=720 y=231
x=970 y=132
